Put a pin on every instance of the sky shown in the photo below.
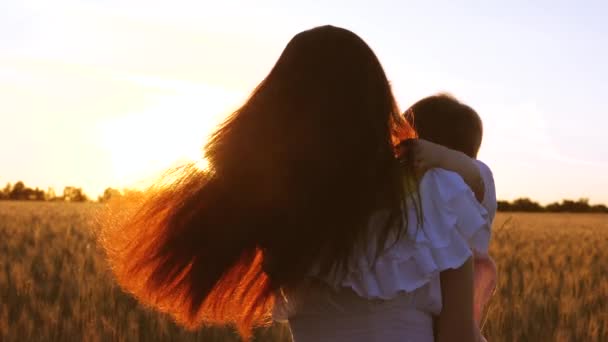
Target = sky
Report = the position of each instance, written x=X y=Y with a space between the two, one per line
x=109 y=93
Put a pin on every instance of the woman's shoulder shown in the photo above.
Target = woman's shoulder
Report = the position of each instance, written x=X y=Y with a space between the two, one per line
x=453 y=225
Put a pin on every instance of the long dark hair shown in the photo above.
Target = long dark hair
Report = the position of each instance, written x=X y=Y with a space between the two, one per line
x=293 y=178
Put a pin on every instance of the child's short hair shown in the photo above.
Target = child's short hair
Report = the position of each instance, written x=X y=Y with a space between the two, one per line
x=444 y=120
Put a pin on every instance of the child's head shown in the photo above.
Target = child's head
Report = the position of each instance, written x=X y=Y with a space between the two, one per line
x=444 y=120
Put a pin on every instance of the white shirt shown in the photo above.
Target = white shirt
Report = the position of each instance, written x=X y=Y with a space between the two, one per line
x=397 y=299
x=489 y=198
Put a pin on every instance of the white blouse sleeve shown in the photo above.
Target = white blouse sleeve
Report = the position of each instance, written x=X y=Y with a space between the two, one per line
x=489 y=198
x=454 y=225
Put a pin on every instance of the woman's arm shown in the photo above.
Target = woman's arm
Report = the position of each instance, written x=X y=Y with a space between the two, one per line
x=427 y=155
x=455 y=322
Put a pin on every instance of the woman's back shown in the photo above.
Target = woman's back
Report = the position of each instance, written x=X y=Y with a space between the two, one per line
x=325 y=314
x=397 y=297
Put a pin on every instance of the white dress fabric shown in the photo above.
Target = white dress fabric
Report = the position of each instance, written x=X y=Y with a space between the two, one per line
x=395 y=299
x=489 y=199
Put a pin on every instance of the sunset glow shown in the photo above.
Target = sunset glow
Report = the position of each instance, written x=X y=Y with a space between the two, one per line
x=99 y=95
x=173 y=131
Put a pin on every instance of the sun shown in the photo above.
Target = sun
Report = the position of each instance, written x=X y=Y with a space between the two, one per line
x=173 y=131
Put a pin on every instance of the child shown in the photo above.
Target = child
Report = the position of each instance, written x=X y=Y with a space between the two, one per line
x=450 y=135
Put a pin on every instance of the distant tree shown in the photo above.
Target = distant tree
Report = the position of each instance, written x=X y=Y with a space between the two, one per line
x=580 y=206
x=570 y=206
x=554 y=207
x=599 y=208
x=504 y=206
x=36 y=194
x=526 y=205
x=18 y=191
x=565 y=206
x=108 y=194
x=73 y=194
x=5 y=193
x=22 y=193
x=7 y=189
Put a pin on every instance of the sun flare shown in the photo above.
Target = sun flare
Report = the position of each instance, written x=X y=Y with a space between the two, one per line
x=143 y=145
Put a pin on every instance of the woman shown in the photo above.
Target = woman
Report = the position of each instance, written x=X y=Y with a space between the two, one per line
x=304 y=206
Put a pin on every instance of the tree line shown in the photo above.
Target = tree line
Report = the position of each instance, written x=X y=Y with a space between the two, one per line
x=565 y=206
x=19 y=191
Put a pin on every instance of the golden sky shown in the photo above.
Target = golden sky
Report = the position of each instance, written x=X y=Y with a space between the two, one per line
x=97 y=94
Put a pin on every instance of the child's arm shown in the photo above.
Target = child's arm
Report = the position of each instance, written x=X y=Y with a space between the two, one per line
x=427 y=155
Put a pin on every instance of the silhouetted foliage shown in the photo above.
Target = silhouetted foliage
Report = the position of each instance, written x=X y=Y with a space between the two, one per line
x=599 y=208
x=520 y=204
x=21 y=193
x=18 y=191
x=565 y=206
x=37 y=195
x=73 y=194
x=108 y=194
x=6 y=191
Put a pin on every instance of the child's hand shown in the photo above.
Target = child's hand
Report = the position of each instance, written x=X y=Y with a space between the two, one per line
x=426 y=155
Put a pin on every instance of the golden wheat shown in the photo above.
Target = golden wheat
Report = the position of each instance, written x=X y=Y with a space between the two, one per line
x=55 y=286
x=553 y=278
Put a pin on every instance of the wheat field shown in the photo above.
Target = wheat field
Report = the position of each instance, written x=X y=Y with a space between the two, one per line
x=55 y=285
